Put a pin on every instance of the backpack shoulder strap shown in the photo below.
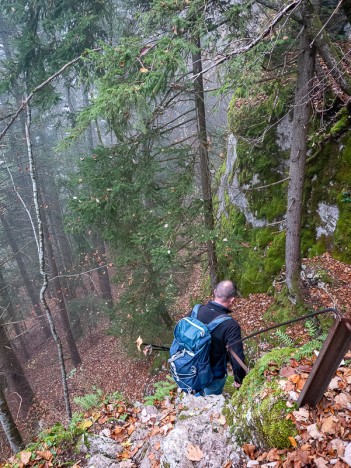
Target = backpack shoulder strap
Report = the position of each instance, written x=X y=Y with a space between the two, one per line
x=195 y=311
x=217 y=321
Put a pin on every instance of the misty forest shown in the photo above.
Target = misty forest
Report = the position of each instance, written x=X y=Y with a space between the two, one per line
x=148 y=150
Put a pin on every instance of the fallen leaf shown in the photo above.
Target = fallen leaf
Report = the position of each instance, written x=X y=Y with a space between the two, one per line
x=300 y=384
x=293 y=441
x=287 y=371
x=273 y=455
x=143 y=70
x=340 y=464
x=25 y=457
x=320 y=462
x=305 y=368
x=329 y=425
x=139 y=342
x=314 y=432
x=333 y=384
x=47 y=455
x=249 y=449
x=193 y=453
x=301 y=415
x=131 y=429
x=338 y=446
x=96 y=415
x=85 y=424
x=157 y=446
x=343 y=399
x=297 y=458
x=294 y=378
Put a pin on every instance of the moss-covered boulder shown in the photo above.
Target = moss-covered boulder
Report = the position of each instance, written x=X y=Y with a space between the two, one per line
x=257 y=412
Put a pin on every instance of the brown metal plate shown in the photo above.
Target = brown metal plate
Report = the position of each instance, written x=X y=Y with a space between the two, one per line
x=333 y=350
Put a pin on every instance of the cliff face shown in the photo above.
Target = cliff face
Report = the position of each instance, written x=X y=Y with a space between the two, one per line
x=252 y=188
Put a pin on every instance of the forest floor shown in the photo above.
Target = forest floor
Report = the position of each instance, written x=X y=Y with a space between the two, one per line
x=107 y=366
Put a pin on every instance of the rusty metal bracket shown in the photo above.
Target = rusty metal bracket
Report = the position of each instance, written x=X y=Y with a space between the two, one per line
x=333 y=350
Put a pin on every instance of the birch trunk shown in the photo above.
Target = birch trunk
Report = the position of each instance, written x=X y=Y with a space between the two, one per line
x=42 y=265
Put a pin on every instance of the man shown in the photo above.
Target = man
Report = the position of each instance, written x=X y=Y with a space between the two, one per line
x=224 y=336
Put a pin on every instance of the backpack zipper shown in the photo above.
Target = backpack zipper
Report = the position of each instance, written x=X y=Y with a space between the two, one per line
x=194 y=324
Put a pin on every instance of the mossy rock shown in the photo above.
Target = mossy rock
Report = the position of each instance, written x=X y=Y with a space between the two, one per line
x=257 y=411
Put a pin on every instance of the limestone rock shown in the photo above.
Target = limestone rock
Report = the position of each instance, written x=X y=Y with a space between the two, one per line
x=200 y=423
x=100 y=461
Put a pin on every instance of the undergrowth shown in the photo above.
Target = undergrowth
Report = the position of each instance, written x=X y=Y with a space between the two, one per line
x=163 y=389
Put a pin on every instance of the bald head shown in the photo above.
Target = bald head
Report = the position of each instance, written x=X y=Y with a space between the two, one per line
x=224 y=292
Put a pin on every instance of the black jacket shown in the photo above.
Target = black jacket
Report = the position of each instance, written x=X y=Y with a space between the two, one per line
x=225 y=334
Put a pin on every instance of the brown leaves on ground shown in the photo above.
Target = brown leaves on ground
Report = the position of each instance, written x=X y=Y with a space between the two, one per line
x=324 y=433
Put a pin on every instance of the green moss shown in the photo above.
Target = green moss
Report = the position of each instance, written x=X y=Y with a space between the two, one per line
x=276 y=429
x=257 y=412
x=183 y=417
x=343 y=122
x=283 y=309
x=328 y=180
x=229 y=386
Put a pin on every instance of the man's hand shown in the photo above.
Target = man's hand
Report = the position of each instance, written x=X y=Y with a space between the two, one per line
x=236 y=384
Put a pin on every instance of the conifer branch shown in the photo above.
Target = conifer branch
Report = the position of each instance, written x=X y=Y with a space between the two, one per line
x=257 y=40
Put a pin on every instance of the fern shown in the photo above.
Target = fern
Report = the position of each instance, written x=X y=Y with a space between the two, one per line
x=308 y=348
x=90 y=400
x=313 y=328
x=163 y=389
x=284 y=339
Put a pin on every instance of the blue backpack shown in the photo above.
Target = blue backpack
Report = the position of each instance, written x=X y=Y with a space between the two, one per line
x=190 y=352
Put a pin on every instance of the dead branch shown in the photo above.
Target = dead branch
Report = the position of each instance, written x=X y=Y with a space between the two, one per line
x=38 y=88
x=257 y=40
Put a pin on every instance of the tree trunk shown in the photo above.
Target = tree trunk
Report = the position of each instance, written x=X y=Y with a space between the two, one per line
x=32 y=293
x=331 y=55
x=14 y=317
x=204 y=159
x=61 y=246
x=346 y=4
x=301 y=116
x=8 y=424
x=42 y=265
x=13 y=371
x=60 y=298
x=102 y=273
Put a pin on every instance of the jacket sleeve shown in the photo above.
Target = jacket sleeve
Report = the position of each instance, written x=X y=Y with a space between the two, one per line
x=233 y=334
